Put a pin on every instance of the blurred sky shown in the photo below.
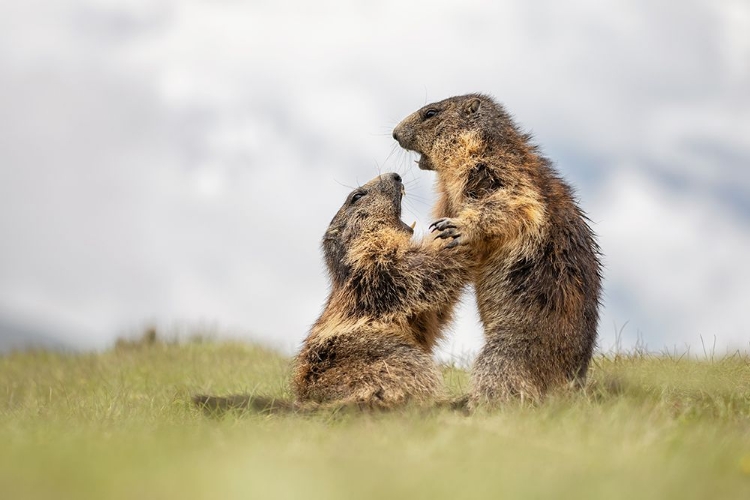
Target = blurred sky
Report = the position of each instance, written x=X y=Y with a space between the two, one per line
x=178 y=162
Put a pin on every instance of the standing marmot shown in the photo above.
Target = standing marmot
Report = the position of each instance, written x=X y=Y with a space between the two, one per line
x=389 y=299
x=538 y=278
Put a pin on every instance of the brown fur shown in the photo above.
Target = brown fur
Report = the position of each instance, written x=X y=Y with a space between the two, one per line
x=390 y=298
x=537 y=278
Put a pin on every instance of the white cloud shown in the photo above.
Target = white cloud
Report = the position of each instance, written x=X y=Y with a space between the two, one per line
x=680 y=260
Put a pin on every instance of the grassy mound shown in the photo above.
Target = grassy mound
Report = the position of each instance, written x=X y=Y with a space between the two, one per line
x=119 y=425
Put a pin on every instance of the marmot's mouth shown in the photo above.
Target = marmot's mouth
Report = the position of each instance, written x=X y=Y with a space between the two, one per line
x=424 y=163
x=406 y=227
x=409 y=229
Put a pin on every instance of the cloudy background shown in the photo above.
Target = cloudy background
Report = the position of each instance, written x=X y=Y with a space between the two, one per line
x=176 y=163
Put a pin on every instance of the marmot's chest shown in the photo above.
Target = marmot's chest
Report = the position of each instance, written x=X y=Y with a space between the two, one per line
x=469 y=185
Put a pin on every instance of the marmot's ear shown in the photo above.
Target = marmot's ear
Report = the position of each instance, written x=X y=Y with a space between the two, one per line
x=472 y=106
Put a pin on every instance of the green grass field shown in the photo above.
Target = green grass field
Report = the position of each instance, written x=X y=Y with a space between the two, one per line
x=119 y=425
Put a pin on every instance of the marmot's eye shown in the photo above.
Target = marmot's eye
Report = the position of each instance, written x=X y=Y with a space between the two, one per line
x=430 y=113
x=356 y=197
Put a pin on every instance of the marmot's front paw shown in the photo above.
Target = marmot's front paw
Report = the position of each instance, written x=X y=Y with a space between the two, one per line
x=447 y=228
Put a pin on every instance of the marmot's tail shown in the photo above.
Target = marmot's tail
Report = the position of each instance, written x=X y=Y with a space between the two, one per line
x=260 y=404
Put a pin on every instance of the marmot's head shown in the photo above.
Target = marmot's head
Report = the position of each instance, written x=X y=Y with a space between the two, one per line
x=369 y=209
x=441 y=123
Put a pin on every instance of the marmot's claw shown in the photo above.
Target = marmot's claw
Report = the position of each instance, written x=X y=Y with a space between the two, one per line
x=450 y=232
x=454 y=243
x=447 y=228
x=442 y=224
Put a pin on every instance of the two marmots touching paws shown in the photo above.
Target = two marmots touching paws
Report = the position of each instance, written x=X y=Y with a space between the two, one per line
x=506 y=222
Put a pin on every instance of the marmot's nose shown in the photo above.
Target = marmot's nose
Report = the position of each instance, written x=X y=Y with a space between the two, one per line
x=395 y=135
x=396 y=177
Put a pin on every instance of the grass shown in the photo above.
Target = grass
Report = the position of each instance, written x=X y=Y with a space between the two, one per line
x=118 y=424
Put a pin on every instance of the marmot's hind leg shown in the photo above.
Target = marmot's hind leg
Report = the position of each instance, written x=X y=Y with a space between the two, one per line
x=497 y=377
